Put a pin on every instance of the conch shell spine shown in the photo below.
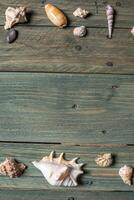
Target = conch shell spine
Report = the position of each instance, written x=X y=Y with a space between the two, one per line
x=55 y=15
x=58 y=171
x=110 y=19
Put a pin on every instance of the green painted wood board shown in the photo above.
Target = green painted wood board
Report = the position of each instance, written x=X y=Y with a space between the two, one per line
x=62 y=52
x=82 y=114
x=66 y=108
x=68 y=195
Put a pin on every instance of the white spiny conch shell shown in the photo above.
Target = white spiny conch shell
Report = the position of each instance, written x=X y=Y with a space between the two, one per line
x=58 y=171
x=126 y=174
x=80 y=31
x=104 y=160
x=79 y=12
x=110 y=19
x=132 y=31
x=15 y=16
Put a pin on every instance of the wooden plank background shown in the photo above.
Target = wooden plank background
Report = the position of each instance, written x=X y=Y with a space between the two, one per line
x=62 y=52
x=66 y=108
x=82 y=105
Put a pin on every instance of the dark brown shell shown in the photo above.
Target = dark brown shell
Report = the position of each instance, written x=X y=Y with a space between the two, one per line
x=11 y=168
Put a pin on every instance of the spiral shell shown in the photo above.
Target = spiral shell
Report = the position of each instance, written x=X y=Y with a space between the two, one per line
x=126 y=174
x=15 y=16
x=104 y=160
x=12 y=168
x=110 y=19
x=58 y=171
x=55 y=15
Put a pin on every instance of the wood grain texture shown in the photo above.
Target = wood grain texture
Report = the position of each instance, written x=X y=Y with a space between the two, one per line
x=94 y=179
x=124 y=10
x=68 y=195
x=54 y=50
x=66 y=108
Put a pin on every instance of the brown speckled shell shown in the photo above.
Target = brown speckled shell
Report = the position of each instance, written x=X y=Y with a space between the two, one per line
x=12 y=168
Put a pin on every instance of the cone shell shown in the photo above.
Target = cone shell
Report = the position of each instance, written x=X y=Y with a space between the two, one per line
x=56 y=16
x=12 y=168
x=104 y=160
x=58 y=171
x=126 y=174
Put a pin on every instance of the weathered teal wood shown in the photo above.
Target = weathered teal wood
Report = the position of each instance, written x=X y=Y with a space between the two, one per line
x=68 y=195
x=94 y=178
x=66 y=108
x=49 y=49
x=97 y=18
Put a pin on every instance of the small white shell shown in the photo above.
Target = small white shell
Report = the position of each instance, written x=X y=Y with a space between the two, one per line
x=126 y=174
x=59 y=172
x=132 y=31
x=104 y=160
x=14 y=16
x=80 y=31
x=79 y=12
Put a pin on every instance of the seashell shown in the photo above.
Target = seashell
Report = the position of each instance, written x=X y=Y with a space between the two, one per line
x=58 y=171
x=126 y=174
x=104 y=160
x=79 y=12
x=132 y=31
x=110 y=19
x=12 y=168
x=55 y=15
x=80 y=31
x=15 y=16
x=12 y=35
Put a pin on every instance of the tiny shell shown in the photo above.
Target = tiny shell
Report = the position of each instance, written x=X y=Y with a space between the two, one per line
x=12 y=35
x=104 y=160
x=110 y=19
x=12 y=168
x=55 y=15
x=79 y=12
x=15 y=16
x=132 y=31
x=80 y=31
x=126 y=174
x=58 y=171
